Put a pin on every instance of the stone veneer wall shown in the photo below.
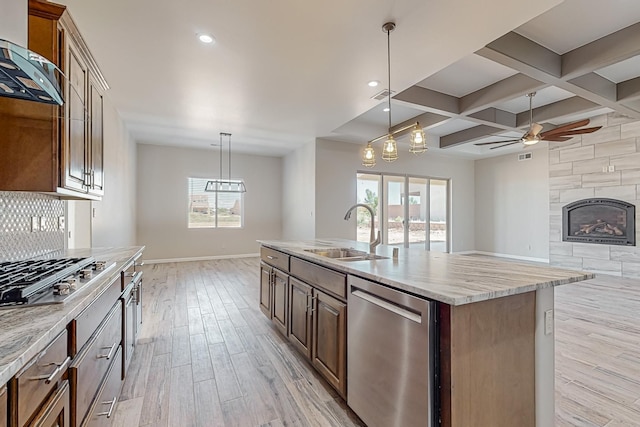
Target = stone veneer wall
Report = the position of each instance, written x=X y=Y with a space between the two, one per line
x=575 y=173
x=17 y=241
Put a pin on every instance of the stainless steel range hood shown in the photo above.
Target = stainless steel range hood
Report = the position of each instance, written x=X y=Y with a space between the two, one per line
x=27 y=75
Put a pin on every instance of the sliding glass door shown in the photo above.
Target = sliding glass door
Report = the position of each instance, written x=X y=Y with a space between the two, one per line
x=411 y=211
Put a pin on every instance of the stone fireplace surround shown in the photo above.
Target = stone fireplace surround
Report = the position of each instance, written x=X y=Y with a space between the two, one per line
x=576 y=172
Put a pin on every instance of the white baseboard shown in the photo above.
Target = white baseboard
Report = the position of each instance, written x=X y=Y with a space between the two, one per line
x=518 y=257
x=201 y=258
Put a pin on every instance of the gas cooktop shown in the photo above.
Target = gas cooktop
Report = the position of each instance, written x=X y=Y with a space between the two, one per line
x=46 y=281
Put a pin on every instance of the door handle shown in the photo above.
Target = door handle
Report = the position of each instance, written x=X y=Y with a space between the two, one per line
x=410 y=315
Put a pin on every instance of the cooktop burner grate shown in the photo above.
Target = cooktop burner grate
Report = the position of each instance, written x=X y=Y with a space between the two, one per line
x=22 y=281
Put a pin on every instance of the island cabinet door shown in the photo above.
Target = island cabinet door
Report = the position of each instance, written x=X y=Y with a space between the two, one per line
x=280 y=297
x=265 y=289
x=330 y=339
x=300 y=316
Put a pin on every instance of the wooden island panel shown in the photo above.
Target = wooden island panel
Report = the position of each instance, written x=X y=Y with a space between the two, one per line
x=487 y=360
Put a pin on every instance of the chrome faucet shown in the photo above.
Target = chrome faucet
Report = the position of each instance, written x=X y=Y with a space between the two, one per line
x=373 y=241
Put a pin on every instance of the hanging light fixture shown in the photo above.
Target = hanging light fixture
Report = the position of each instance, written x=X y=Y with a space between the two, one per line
x=390 y=147
x=418 y=140
x=369 y=156
x=225 y=185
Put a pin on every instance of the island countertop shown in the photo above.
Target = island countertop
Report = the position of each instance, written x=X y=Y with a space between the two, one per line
x=453 y=279
x=26 y=331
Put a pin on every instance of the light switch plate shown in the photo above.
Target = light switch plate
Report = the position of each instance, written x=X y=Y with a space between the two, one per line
x=43 y=223
x=548 y=322
x=612 y=168
x=35 y=224
x=61 y=223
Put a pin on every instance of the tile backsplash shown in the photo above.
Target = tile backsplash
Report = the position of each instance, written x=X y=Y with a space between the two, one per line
x=18 y=213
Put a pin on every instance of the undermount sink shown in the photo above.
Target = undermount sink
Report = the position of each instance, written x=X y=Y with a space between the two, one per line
x=345 y=254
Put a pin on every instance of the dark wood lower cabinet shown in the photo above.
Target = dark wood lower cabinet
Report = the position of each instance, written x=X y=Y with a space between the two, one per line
x=300 y=316
x=329 y=353
x=57 y=412
x=280 y=299
x=103 y=408
x=93 y=361
x=265 y=289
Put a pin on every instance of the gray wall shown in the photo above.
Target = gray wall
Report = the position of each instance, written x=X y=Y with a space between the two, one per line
x=298 y=188
x=13 y=21
x=512 y=206
x=576 y=173
x=115 y=216
x=162 y=203
x=337 y=164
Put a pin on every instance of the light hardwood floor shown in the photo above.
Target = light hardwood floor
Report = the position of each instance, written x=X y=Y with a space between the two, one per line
x=208 y=357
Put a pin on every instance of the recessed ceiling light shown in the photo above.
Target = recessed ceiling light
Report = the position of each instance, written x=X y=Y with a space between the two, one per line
x=373 y=83
x=386 y=109
x=206 y=38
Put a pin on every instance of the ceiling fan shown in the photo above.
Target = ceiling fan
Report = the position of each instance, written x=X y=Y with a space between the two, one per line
x=533 y=135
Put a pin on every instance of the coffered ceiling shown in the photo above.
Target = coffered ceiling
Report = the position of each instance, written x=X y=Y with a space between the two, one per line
x=283 y=73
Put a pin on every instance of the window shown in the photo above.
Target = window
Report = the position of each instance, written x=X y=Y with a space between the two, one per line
x=213 y=210
x=410 y=211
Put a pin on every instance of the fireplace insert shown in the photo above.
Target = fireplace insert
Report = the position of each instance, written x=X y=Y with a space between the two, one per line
x=602 y=221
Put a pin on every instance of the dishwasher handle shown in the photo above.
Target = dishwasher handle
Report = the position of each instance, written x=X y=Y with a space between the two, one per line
x=386 y=305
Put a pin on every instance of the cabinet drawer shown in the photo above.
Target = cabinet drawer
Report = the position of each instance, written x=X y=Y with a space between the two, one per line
x=40 y=377
x=3 y=406
x=56 y=411
x=320 y=277
x=103 y=408
x=275 y=258
x=87 y=322
x=88 y=369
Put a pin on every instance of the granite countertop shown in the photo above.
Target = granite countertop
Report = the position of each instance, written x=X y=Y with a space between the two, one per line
x=26 y=331
x=453 y=279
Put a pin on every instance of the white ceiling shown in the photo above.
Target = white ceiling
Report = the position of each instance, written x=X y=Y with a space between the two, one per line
x=285 y=72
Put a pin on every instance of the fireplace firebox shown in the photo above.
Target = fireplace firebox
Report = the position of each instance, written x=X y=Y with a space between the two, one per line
x=601 y=221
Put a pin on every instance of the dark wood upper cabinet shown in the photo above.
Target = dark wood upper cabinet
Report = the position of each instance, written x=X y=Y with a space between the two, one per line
x=49 y=149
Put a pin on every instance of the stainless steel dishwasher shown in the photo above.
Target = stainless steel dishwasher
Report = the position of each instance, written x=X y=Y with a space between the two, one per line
x=390 y=356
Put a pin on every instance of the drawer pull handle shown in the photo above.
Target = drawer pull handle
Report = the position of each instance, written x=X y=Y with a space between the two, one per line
x=272 y=257
x=109 y=355
x=111 y=404
x=48 y=379
x=139 y=264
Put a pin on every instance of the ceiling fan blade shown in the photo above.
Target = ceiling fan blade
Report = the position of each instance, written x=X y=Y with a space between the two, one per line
x=568 y=126
x=497 y=142
x=556 y=138
x=535 y=128
x=572 y=132
x=505 y=145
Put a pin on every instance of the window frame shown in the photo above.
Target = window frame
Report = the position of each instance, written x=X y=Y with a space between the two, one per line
x=212 y=197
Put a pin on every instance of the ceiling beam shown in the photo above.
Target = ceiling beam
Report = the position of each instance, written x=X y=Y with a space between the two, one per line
x=628 y=90
x=467 y=135
x=499 y=92
x=566 y=107
x=426 y=120
x=610 y=49
x=511 y=51
x=494 y=116
x=429 y=100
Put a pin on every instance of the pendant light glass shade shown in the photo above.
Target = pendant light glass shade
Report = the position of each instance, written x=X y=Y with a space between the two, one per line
x=390 y=150
x=418 y=140
x=368 y=156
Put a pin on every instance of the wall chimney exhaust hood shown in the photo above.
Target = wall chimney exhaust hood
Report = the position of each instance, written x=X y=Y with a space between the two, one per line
x=27 y=75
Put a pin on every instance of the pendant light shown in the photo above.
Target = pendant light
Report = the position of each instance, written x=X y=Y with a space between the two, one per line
x=418 y=140
x=390 y=147
x=225 y=185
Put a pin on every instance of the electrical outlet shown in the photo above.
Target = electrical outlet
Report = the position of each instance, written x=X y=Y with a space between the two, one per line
x=35 y=224
x=61 y=223
x=43 y=223
x=548 y=322
x=612 y=168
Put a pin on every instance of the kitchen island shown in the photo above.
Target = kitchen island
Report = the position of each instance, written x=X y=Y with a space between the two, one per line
x=493 y=357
